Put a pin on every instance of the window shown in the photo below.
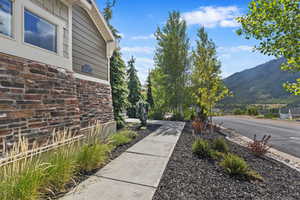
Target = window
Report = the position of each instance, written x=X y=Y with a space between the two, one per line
x=6 y=17
x=39 y=32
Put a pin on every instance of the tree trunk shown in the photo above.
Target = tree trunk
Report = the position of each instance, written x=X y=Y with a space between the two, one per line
x=210 y=119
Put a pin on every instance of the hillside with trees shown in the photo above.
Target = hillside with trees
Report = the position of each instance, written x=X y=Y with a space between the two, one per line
x=261 y=84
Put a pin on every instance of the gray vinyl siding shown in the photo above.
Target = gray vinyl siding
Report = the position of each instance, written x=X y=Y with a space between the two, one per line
x=88 y=46
x=60 y=10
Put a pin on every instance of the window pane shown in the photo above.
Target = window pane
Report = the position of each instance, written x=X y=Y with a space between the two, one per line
x=5 y=17
x=39 y=32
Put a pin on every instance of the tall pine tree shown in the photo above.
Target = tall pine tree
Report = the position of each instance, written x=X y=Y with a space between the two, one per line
x=150 y=100
x=207 y=85
x=134 y=88
x=117 y=73
x=171 y=58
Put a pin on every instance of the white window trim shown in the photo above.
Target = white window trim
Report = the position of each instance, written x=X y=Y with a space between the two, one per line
x=60 y=24
x=16 y=46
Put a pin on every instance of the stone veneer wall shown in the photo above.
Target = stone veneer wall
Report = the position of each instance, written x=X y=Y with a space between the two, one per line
x=36 y=98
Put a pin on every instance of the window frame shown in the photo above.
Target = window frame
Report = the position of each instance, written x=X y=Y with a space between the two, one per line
x=45 y=20
x=39 y=12
x=12 y=36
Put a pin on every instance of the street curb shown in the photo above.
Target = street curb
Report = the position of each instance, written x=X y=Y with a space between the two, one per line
x=287 y=159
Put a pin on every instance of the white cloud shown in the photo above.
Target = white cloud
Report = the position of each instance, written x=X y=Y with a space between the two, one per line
x=213 y=16
x=146 y=50
x=143 y=37
x=235 y=49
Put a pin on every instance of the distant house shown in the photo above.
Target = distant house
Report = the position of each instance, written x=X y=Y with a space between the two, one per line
x=54 y=67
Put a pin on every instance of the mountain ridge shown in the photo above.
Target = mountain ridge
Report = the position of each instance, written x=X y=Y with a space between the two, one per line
x=261 y=84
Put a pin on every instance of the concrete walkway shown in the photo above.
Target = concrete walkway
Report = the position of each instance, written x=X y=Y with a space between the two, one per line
x=135 y=174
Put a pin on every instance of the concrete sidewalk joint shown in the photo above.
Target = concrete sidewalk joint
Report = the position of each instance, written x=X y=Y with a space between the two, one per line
x=136 y=173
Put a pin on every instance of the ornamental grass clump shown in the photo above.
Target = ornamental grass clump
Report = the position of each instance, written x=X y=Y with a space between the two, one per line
x=22 y=180
x=129 y=133
x=93 y=152
x=237 y=166
x=122 y=137
x=93 y=156
x=219 y=144
x=201 y=148
x=260 y=147
x=234 y=165
x=31 y=172
x=62 y=167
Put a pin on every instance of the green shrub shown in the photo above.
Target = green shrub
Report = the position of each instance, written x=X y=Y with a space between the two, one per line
x=202 y=148
x=253 y=111
x=271 y=115
x=219 y=144
x=234 y=165
x=156 y=114
x=239 y=112
x=189 y=114
x=92 y=156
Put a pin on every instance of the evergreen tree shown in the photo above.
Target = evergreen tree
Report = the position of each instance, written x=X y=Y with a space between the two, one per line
x=117 y=73
x=118 y=87
x=149 y=91
x=171 y=58
x=207 y=85
x=134 y=88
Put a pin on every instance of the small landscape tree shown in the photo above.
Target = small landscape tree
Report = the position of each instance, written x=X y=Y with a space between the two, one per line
x=207 y=84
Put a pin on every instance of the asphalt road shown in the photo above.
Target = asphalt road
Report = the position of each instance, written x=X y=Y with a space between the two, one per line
x=285 y=134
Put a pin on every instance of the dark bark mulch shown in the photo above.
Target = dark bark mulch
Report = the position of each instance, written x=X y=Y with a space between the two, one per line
x=188 y=177
x=82 y=176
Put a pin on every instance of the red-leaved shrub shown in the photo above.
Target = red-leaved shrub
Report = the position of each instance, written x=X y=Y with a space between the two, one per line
x=198 y=126
x=260 y=147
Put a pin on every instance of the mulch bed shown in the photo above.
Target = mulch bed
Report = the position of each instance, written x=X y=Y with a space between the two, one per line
x=142 y=133
x=188 y=177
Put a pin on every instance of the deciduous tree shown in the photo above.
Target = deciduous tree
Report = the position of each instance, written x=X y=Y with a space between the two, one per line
x=275 y=23
x=171 y=58
x=207 y=85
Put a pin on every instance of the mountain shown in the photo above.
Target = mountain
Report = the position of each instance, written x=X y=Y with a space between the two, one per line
x=261 y=84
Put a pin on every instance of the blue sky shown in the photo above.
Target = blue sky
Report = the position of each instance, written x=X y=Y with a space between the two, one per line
x=137 y=20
